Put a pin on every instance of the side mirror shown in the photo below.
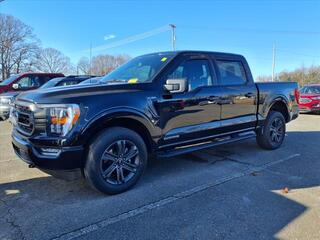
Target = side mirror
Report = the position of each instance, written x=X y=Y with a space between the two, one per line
x=176 y=85
x=15 y=86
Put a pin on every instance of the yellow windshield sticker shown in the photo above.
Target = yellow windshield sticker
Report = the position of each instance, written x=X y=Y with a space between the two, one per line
x=133 y=80
x=163 y=59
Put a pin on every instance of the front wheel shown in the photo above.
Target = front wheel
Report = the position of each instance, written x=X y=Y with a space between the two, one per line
x=116 y=160
x=272 y=134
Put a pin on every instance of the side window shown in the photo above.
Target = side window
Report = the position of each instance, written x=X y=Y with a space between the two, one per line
x=231 y=72
x=24 y=82
x=196 y=72
x=177 y=73
x=35 y=81
x=29 y=82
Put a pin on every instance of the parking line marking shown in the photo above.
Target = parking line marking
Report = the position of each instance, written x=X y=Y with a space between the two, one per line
x=140 y=210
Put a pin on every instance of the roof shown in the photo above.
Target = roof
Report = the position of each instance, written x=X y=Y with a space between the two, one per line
x=41 y=73
x=197 y=52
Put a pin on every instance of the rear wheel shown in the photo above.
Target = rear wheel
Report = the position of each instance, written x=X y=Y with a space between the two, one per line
x=272 y=134
x=116 y=160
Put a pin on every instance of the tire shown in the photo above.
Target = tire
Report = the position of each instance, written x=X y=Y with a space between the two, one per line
x=272 y=134
x=116 y=160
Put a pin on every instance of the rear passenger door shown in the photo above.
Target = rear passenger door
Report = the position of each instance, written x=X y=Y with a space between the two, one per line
x=239 y=94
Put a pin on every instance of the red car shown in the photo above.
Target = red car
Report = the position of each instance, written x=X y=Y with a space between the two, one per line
x=26 y=81
x=310 y=98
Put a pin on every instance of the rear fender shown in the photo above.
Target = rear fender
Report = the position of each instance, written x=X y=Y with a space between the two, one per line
x=269 y=102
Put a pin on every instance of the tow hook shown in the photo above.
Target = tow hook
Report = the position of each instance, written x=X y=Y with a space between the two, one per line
x=31 y=166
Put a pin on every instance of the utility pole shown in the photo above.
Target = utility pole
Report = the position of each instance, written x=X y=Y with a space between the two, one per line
x=273 y=61
x=90 y=59
x=173 y=37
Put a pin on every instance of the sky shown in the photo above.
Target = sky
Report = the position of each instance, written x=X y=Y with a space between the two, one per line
x=250 y=28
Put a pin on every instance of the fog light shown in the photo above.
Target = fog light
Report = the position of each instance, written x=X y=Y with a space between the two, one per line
x=50 y=151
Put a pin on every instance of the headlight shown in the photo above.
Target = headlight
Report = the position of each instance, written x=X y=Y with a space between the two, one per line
x=6 y=100
x=316 y=98
x=61 y=118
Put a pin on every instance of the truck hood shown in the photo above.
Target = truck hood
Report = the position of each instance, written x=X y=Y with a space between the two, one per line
x=4 y=88
x=10 y=94
x=76 y=93
x=309 y=95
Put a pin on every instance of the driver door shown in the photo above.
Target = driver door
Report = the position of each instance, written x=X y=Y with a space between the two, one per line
x=194 y=114
x=29 y=82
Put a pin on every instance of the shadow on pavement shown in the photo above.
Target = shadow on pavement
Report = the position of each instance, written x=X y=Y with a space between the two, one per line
x=233 y=206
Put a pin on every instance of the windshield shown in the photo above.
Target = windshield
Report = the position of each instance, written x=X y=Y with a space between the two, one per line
x=311 y=90
x=138 y=70
x=8 y=80
x=52 y=83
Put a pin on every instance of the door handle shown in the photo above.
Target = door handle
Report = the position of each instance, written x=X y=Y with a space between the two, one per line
x=213 y=98
x=210 y=100
x=249 y=95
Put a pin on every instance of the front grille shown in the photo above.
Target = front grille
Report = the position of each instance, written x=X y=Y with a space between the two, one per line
x=305 y=100
x=24 y=119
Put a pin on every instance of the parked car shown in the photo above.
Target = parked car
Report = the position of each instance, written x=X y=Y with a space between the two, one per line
x=161 y=104
x=310 y=98
x=7 y=99
x=66 y=81
x=95 y=80
x=26 y=81
x=16 y=84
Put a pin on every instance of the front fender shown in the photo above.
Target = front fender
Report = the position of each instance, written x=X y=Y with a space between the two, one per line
x=99 y=121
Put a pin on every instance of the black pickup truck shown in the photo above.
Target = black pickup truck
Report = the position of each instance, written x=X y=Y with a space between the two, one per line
x=160 y=104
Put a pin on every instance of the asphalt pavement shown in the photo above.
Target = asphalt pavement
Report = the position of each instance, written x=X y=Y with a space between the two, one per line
x=236 y=191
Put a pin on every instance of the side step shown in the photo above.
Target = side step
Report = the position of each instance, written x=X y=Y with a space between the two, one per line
x=197 y=147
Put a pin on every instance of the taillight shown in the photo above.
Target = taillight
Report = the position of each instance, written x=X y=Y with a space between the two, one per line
x=297 y=94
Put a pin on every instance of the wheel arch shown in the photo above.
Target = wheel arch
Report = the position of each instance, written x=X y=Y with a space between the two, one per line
x=126 y=118
x=280 y=104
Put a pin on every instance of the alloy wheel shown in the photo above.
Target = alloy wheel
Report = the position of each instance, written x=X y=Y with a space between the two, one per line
x=120 y=162
x=277 y=130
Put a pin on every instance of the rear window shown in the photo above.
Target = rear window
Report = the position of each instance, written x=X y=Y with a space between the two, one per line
x=231 y=72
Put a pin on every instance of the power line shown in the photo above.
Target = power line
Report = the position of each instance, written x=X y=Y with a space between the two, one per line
x=281 y=31
x=131 y=39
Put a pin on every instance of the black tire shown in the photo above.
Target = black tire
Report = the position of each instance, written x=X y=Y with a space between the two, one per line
x=104 y=159
x=272 y=134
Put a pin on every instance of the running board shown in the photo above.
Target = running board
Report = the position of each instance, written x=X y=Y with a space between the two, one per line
x=197 y=147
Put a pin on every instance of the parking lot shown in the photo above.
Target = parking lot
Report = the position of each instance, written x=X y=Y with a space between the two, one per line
x=237 y=191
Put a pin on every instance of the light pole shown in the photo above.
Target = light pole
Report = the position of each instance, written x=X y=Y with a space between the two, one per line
x=173 y=38
x=273 y=61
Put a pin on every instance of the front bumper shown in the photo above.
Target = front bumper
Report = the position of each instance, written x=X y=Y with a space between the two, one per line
x=4 y=112
x=67 y=158
x=313 y=106
x=304 y=109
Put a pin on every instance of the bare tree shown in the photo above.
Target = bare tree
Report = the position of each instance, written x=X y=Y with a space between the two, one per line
x=83 y=66
x=103 y=64
x=303 y=75
x=18 y=45
x=52 y=60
